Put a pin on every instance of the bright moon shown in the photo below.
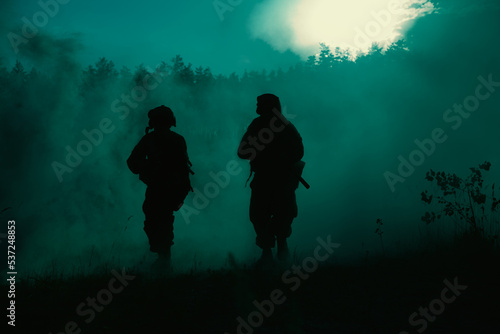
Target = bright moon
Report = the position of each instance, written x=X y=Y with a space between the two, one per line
x=300 y=25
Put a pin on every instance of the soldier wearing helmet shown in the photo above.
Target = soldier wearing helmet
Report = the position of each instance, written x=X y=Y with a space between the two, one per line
x=161 y=160
x=274 y=148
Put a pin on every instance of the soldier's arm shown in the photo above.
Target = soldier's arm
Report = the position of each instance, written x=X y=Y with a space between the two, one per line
x=294 y=147
x=246 y=150
x=185 y=152
x=137 y=160
x=297 y=146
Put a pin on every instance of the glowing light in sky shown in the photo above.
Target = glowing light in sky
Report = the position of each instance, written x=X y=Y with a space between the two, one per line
x=301 y=25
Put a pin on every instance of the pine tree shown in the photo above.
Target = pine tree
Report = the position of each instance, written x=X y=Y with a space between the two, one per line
x=325 y=60
x=181 y=72
x=140 y=73
x=18 y=74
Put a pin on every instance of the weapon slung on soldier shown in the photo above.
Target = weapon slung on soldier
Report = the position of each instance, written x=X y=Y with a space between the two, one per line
x=189 y=168
x=304 y=182
x=299 y=167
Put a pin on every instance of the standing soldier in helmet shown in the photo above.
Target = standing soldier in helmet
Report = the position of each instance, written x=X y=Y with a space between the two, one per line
x=161 y=160
x=274 y=148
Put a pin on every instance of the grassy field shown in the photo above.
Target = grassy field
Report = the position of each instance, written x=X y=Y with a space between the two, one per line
x=378 y=297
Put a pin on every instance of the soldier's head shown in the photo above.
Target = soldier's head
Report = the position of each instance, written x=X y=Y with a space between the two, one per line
x=161 y=117
x=267 y=103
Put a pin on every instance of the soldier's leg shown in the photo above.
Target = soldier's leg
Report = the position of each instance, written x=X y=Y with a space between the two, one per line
x=260 y=216
x=159 y=222
x=284 y=214
x=164 y=230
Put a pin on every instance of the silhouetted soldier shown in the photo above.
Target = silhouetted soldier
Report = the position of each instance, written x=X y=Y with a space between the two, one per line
x=162 y=162
x=274 y=148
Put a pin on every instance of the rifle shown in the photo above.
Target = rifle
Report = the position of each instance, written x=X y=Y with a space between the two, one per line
x=189 y=168
x=299 y=167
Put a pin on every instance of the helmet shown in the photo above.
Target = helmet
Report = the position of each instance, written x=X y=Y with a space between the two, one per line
x=267 y=103
x=161 y=116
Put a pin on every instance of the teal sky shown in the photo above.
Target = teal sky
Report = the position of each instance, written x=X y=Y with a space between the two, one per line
x=254 y=35
x=149 y=31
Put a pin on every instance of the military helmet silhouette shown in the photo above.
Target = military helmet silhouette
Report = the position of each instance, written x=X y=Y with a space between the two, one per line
x=266 y=103
x=161 y=116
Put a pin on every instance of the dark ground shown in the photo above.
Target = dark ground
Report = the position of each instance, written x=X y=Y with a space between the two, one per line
x=378 y=297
